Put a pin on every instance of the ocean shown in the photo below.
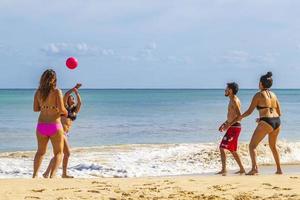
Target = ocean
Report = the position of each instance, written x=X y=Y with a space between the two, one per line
x=142 y=132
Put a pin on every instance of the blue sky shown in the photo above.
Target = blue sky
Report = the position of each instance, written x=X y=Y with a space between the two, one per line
x=150 y=44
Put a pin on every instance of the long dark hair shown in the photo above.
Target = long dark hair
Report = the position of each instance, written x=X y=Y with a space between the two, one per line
x=47 y=83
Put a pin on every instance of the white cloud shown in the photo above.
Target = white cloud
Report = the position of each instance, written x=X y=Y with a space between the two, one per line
x=151 y=46
x=267 y=58
x=236 y=57
x=79 y=49
x=149 y=53
x=243 y=57
x=178 y=60
x=128 y=58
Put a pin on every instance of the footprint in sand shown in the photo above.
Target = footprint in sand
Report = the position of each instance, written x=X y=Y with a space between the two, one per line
x=286 y=188
x=209 y=197
x=107 y=189
x=41 y=190
x=169 y=182
x=133 y=191
x=117 y=191
x=98 y=182
x=267 y=184
x=58 y=189
x=93 y=191
x=147 y=184
x=222 y=188
x=276 y=188
x=32 y=197
x=294 y=177
x=171 y=196
x=282 y=196
x=125 y=194
x=62 y=198
x=246 y=196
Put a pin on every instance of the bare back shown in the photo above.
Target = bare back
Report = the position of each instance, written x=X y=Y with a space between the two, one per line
x=52 y=108
x=268 y=102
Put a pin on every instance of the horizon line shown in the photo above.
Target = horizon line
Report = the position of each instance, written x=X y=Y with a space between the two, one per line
x=151 y=88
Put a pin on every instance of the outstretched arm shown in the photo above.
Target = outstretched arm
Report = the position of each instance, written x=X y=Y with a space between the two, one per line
x=78 y=106
x=251 y=108
x=69 y=92
x=66 y=96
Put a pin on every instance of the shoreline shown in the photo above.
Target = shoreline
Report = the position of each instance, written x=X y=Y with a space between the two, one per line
x=178 y=187
x=264 y=170
x=148 y=160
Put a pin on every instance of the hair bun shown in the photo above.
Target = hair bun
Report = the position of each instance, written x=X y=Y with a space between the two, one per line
x=269 y=74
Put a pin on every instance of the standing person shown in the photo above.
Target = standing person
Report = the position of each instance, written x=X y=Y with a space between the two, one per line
x=269 y=123
x=48 y=100
x=230 y=139
x=73 y=109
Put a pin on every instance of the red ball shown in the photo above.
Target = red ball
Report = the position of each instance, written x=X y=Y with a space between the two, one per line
x=72 y=63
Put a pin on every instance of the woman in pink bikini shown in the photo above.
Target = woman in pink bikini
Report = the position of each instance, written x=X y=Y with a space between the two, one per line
x=67 y=122
x=48 y=100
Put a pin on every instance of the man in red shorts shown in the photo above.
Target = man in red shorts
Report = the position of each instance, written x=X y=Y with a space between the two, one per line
x=230 y=139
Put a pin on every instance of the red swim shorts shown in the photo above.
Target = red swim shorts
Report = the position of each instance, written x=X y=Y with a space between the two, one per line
x=230 y=139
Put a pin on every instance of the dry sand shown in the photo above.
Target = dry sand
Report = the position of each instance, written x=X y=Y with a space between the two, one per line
x=181 y=187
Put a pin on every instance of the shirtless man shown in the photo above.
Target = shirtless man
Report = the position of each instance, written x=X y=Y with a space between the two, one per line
x=230 y=139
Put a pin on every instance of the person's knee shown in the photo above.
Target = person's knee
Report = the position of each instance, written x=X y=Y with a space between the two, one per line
x=41 y=152
x=272 y=146
x=222 y=149
x=58 y=154
x=67 y=154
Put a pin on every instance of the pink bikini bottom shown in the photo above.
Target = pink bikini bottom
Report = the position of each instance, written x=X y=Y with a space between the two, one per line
x=48 y=129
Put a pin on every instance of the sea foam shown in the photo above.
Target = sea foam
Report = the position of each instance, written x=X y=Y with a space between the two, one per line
x=142 y=160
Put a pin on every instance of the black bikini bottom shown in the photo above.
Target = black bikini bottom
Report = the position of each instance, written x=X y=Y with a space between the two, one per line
x=272 y=121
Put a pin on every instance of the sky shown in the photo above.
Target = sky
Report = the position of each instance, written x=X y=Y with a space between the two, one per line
x=150 y=44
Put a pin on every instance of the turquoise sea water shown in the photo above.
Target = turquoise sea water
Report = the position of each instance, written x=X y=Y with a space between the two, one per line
x=112 y=117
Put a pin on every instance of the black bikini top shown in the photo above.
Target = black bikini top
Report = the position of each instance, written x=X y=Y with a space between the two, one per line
x=265 y=107
x=71 y=113
x=262 y=107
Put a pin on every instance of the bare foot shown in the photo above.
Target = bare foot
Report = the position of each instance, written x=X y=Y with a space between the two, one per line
x=278 y=172
x=242 y=171
x=252 y=172
x=67 y=176
x=45 y=175
x=222 y=172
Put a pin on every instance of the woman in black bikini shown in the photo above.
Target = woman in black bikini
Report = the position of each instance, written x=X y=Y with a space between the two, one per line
x=67 y=122
x=268 y=107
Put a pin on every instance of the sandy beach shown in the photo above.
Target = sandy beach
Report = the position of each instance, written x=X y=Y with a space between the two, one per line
x=179 y=187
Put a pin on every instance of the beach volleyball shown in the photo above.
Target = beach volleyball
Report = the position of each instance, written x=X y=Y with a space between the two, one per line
x=71 y=63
